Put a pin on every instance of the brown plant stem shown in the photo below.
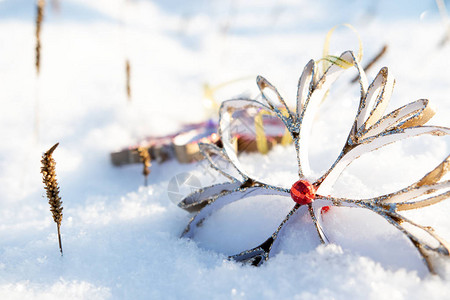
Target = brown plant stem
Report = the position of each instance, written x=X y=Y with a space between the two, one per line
x=58 y=226
x=128 y=78
x=39 y=18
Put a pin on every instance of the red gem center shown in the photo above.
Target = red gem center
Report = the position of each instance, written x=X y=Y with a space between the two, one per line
x=303 y=192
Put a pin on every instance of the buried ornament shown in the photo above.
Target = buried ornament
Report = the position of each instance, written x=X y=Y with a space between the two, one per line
x=303 y=192
x=371 y=130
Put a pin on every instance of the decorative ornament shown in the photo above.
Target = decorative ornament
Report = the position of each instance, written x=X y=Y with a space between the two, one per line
x=371 y=130
x=257 y=135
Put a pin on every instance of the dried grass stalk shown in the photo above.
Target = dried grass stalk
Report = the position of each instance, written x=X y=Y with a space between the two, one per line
x=146 y=161
x=128 y=80
x=39 y=18
x=52 y=189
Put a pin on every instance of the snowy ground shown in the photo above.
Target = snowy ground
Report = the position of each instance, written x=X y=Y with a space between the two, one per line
x=121 y=239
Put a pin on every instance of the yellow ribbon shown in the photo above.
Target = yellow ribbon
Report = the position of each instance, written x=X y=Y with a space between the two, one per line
x=287 y=138
x=327 y=59
x=261 y=139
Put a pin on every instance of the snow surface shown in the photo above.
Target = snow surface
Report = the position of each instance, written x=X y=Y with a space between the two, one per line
x=121 y=239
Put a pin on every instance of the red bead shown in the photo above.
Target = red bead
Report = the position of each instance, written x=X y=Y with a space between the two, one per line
x=325 y=209
x=303 y=192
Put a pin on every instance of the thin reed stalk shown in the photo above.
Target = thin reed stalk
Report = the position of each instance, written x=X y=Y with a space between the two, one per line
x=40 y=5
x=128 y=78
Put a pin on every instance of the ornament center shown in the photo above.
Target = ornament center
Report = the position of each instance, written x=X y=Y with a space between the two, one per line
x=303 y=192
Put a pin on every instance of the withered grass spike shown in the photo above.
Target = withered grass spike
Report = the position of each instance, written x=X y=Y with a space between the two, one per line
x=39 y=18
x=52 y=189
x=146 y=161
x=128 y=78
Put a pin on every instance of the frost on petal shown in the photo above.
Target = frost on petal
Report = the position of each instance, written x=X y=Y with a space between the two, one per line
x=225 y=198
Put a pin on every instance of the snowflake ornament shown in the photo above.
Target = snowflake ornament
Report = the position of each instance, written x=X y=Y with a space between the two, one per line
x=371 y=130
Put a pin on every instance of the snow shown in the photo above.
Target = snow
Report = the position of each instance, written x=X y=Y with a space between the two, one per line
x=120 y=238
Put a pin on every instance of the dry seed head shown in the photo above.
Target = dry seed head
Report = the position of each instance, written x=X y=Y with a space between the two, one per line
x=146 y=160
x=51 y=184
